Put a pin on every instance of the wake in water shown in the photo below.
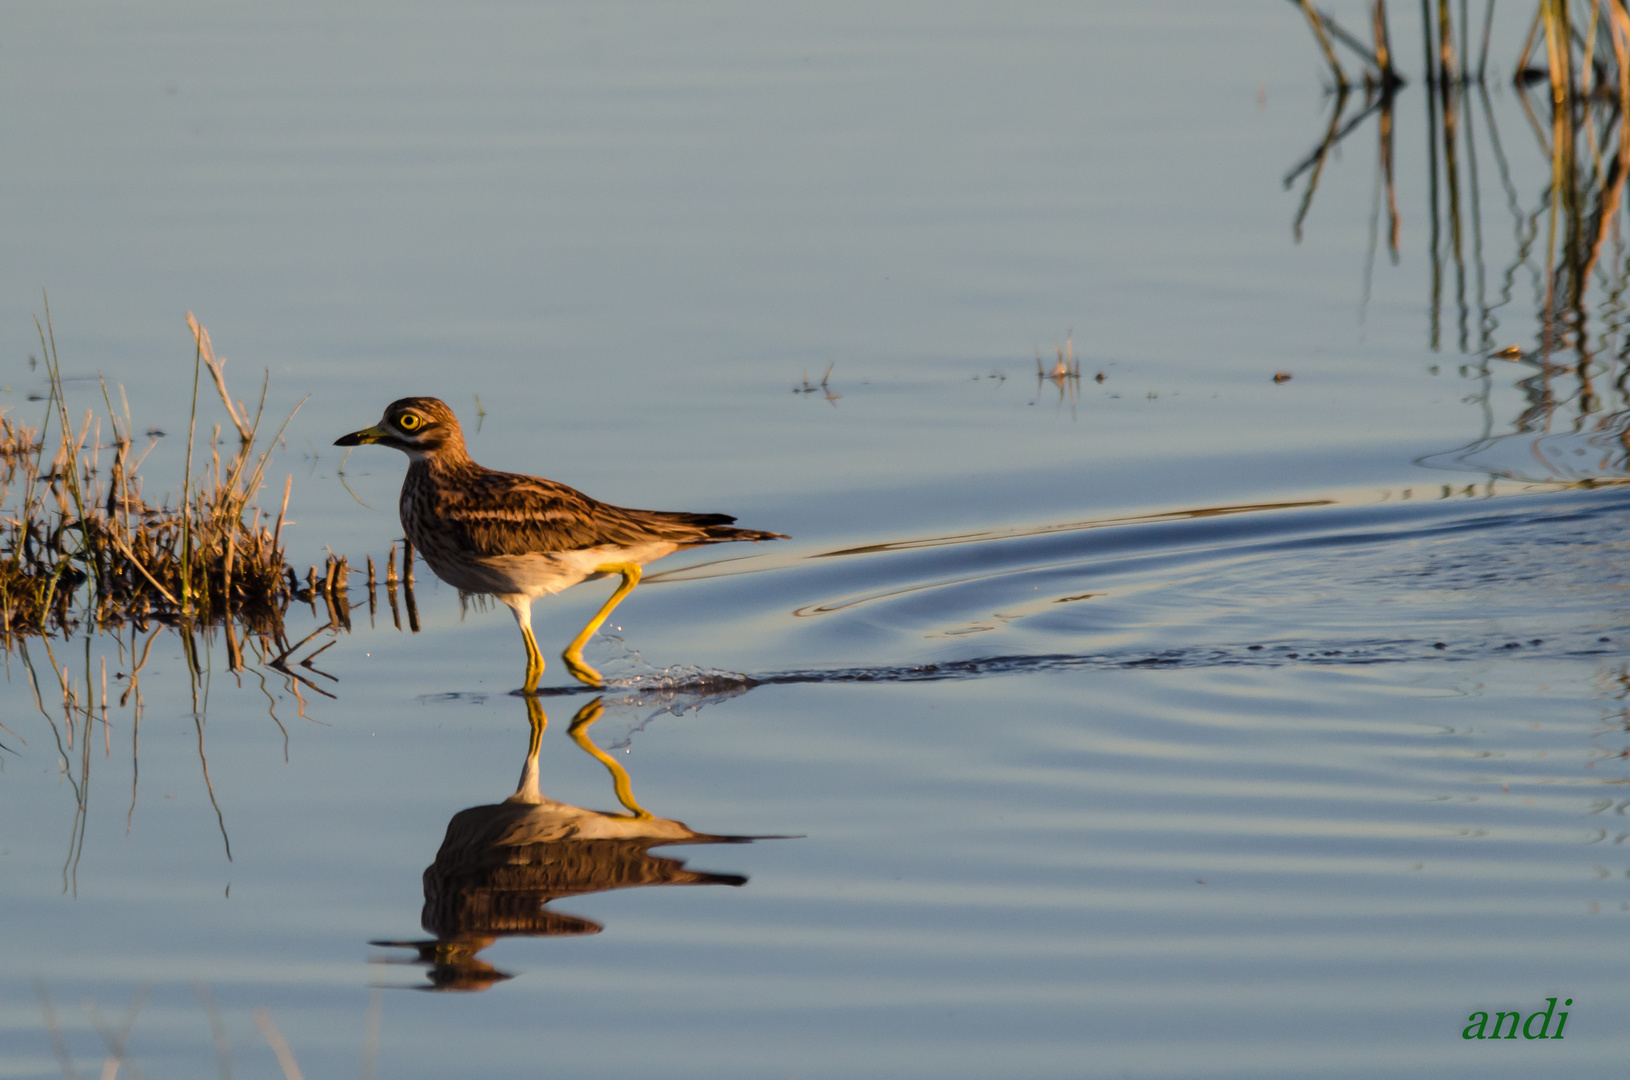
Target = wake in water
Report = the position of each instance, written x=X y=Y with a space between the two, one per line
x=680 y=689
x=1510 y=578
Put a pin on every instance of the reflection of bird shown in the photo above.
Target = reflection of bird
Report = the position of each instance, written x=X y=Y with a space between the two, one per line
x=499 y=866
x=521 y=537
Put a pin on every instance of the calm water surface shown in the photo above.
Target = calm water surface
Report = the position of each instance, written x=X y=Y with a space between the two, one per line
x=1178 y=723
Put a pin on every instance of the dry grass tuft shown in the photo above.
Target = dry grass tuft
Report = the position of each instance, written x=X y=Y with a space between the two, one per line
x=79 y=544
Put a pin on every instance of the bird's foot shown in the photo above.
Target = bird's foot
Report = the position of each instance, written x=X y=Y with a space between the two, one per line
x=534 y=674
x=582 y=671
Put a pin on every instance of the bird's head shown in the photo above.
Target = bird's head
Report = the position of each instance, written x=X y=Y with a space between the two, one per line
x=418 y=426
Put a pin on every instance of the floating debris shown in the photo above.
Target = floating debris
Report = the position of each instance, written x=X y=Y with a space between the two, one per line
x=810 y=388
x=1067 y=366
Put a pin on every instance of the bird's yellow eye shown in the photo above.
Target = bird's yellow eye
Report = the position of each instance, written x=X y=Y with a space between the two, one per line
x=409 y=422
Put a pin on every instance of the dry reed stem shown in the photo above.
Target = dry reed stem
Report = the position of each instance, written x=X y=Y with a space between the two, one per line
x=205 y=350
x=1383 y=43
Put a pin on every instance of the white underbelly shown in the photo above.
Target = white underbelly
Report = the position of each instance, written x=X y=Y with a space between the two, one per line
x=542 y=573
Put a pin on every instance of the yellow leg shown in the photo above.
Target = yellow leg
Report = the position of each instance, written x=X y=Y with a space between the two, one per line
x=579 y=731
x=521 y=608
x=534 y=661
x=574 y=652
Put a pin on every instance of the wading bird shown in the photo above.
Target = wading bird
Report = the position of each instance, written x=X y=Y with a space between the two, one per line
x=518 y=537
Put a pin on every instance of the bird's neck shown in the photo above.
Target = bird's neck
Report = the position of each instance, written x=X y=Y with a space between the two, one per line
x=448 y=459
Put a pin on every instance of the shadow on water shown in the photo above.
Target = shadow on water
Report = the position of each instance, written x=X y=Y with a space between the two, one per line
x=500 y=866
x=1567 y=243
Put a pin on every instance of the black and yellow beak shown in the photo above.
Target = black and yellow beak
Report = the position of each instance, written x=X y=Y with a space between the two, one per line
x=366 y=435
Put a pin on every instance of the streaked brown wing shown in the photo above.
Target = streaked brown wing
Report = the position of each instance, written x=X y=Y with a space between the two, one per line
x=510 y=514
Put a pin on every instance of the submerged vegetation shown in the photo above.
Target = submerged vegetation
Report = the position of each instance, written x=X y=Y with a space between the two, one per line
x=1571 y=78
x=86 y=546
x=87 y=552
x=82 y=544
x=1580 y=54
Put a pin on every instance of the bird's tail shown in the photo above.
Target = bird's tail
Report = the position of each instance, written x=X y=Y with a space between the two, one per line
x=720 y=528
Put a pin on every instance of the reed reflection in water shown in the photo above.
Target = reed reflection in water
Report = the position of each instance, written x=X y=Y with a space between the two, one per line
x=500 y=866
x=1567 y=238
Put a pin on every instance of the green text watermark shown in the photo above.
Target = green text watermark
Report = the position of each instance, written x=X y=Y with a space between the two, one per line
x=1478 y=1027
